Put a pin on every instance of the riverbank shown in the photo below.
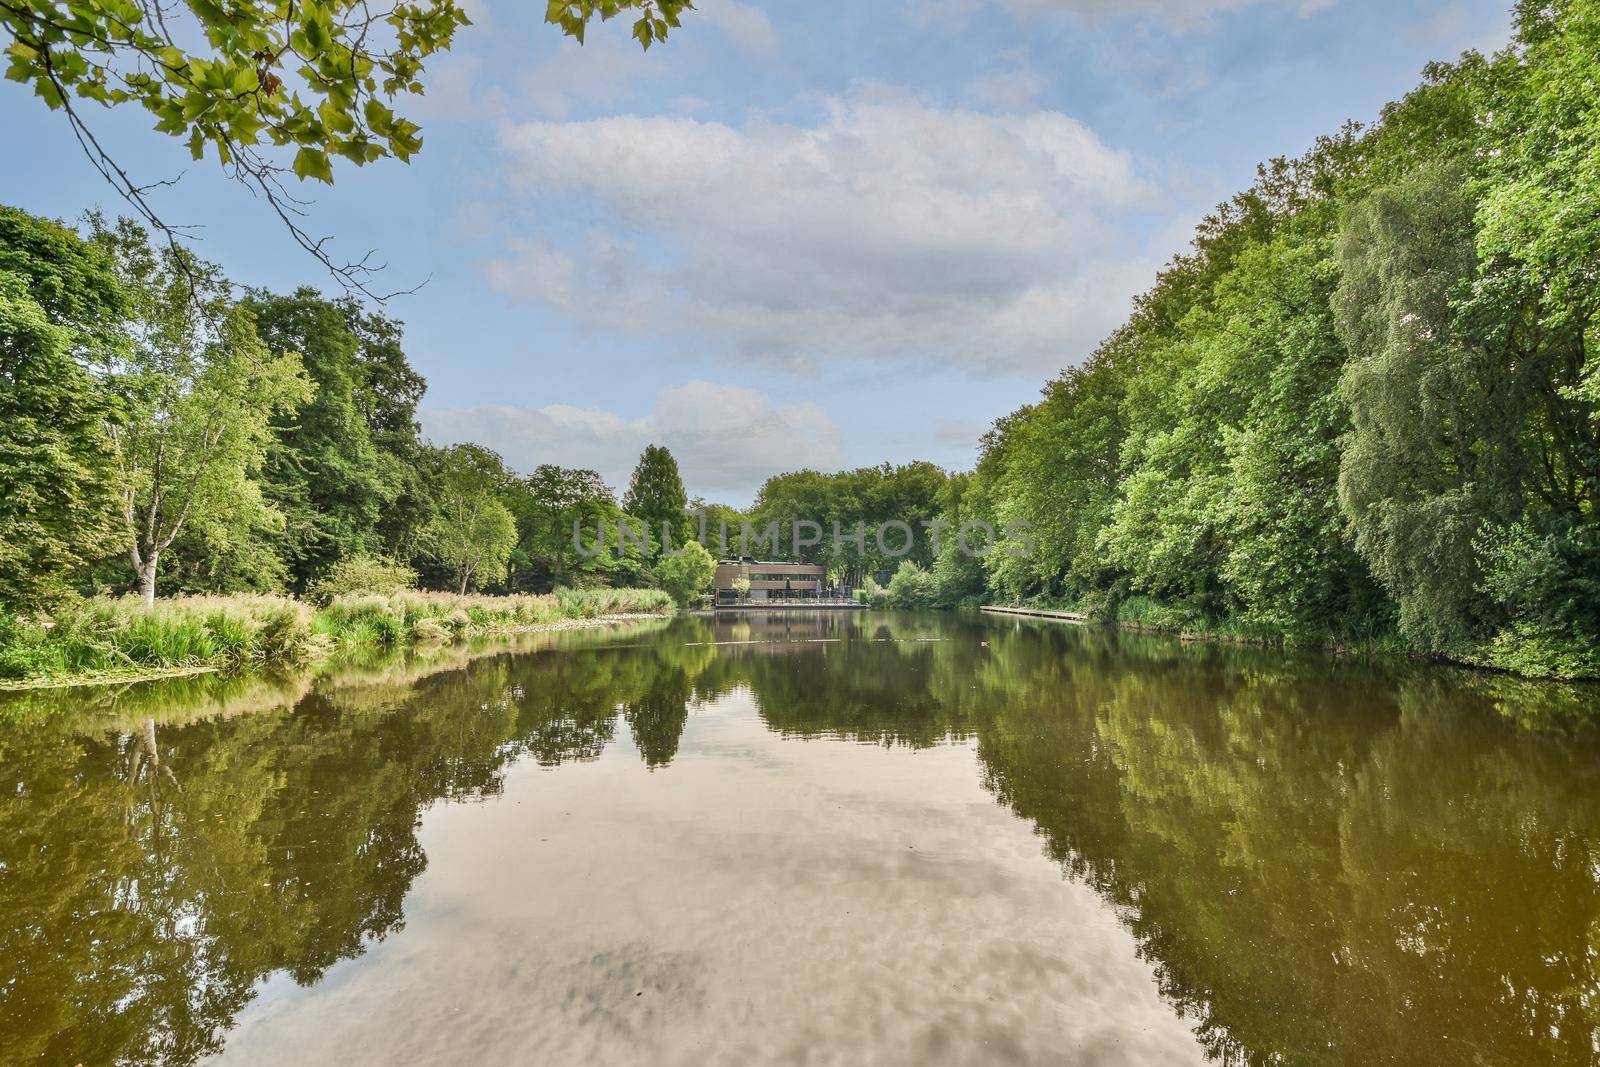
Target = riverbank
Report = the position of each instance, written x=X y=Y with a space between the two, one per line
x=103 y=641
x=1517 y=655
x=1148 y=617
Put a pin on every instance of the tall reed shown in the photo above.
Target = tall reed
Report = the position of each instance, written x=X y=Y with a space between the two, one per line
x=103 y=636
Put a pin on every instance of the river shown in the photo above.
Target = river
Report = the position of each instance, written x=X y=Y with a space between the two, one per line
x=806 y=839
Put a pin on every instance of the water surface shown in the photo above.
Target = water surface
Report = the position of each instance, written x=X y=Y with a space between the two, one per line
x=810 y=839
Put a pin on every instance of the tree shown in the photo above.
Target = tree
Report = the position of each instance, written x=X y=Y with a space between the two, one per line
x=72 y=280
x=256 y=80
x=1411 y=480
x=1366 y=397
x=388 y=391
x=1542 y=203
x=473 y=532
x=857 y=501
x=656 y=496
x=686 y=571
x=1055 y=468
x=549 y=505
x=797 y=496
x=958 y=569
x=62 y=309
x=57 y=475
x=717 y=526
x=1461 y=419
x=200 y=391
x=324 y=471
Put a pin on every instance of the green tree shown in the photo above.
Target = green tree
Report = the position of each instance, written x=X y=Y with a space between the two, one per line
x=958 y=568
x=199 y=391
x=554 y=507
x=63 y=310
x=473 y=533
x=1365 y=398
x=1541 y=203
x=783 y=500
x=717 y=526
x=324 y=471
x=1054 y=468
x=1429 y=458
x=71 y=279
x=58 y=489
x=656 y=497
x=858 y=502
x=687 y=571
x=388 y=393
x=1464 y=406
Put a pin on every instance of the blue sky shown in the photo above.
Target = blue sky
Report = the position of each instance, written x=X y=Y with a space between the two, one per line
x=796 y=234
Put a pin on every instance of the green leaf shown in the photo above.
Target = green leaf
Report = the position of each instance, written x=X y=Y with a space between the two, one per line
x=335 y=119
x=313 y=163
x=379 y=118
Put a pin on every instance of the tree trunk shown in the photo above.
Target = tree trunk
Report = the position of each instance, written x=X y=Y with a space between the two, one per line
x=465 y=577
x=147 y=578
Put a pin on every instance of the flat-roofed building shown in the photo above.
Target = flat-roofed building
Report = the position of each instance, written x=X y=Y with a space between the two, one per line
x=770 y=580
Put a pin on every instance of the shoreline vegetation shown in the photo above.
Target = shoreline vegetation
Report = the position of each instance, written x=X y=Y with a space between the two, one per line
x=1148 y=617
x=1361 y=410
x=114 y=641
x=126 y=703
x=1143 y=616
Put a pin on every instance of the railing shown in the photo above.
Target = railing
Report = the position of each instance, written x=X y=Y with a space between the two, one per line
x=798 y=599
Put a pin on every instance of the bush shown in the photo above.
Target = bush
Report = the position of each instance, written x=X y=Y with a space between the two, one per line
x=687 y=571
x=1528 y=649
x=362 y=574
x=912 y=587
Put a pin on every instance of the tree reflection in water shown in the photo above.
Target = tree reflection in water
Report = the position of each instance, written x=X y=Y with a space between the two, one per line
x=1325 y=861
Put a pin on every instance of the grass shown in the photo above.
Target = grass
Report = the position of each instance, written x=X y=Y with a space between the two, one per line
x=118 y=638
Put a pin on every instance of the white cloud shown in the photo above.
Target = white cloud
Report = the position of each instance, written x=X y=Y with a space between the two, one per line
x=964 y=434
x=1457 y=27
x=747 y=27
x=602 y=73
x=1178 y=15
x=608 y=70
x=889 y=229
x=726 y=438
x=1009 y=90
x=455 y=90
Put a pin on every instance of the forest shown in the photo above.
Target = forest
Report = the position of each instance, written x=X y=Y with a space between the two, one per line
x=194 y=475
x=166 y=433
x=1362 y=409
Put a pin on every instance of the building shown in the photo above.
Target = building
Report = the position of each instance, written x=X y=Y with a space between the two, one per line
x=770 y=581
